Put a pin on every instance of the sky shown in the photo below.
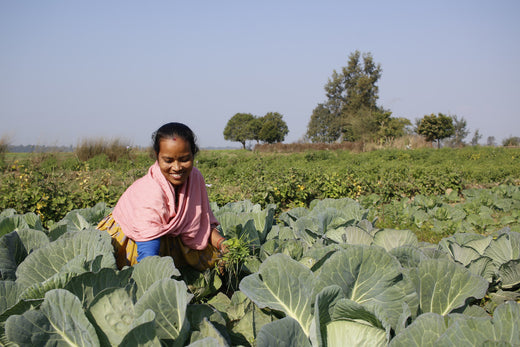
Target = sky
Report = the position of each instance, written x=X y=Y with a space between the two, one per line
x=119 y=69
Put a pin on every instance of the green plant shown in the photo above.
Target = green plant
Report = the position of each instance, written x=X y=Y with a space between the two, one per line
x=233 y=261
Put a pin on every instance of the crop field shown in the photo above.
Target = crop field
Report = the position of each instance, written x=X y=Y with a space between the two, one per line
x=327 y=248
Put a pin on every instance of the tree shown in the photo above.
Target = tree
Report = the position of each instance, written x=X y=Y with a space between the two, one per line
x=476 y=138
x=323 y=126
x=273 y=128
x=460 y=132
x=435 y=127
x=255 y=127
x=390 y=127
x=240 y=128
x=491 y=141
x=511 y=141
x=350 y=112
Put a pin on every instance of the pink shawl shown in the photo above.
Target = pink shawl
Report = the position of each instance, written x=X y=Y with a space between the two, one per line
x=147 y=210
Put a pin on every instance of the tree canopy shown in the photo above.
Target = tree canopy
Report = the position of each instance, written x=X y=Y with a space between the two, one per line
x=239 y=128
x=460 y=132
x=273 y=128
x=242 y=127
x=435 y=127
x=350 y=112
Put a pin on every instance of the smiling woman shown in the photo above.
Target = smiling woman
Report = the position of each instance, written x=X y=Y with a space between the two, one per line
x=167 y=211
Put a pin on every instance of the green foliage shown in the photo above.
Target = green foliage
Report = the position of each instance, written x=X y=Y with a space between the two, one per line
x=323 y=126
x=54 y=184
x=240 y=128
x=321 y=274
x=273 y=128
x=460 y=132
x=51 y=185
x=436 y=127
x=244 y=126
x=350 y=112
x=511 y=141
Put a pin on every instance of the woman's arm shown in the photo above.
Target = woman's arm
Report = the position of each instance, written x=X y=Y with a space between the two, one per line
x=217 y=240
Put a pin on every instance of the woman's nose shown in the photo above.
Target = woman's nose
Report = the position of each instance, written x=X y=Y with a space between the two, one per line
x=176 y=166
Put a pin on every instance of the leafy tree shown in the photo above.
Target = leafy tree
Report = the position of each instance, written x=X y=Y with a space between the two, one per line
x=476 y=138
x=390 y=127
x=240 y=128
x=460 y=132
x=256 y=127
x=491 y=141
x=273 y=128
x=511 y=141
x=323 y=126
x=350 y=112
x=435 y=127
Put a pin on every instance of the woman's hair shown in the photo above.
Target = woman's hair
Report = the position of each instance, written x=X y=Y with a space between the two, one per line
x=172 y=130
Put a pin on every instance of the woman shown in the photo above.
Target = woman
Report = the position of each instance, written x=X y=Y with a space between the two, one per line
x=167 y=212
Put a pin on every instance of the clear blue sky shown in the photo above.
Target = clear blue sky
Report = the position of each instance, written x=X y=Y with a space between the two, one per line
x=81 y=69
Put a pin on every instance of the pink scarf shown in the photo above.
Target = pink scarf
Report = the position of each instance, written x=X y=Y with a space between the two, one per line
x=147 y=210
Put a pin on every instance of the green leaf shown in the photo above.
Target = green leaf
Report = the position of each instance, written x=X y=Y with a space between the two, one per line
x=38 y=290
x=358 y=236
x=168 y=298
x=152 y=269
x=247 y=327
x=114 y=314
x=424 y=331
x=351 y=333
x=197 y=313
x=504 y=248
x=284 y=332
x=282 y=284
x=60 y=321
x=463 y=254
x=509 y=274
x=89 y=284
x=444 y=286
x=506 y=320
x=206 y=329
x=45 y=262
x=9 y=295
x=323 y=308
x=392 y=238
x=466 y=331
x=408 y=256
x=369 y=276
x=351 y=310
x=12 y=253
x=143 y=334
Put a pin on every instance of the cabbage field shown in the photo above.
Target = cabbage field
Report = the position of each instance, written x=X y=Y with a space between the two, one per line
x=390 y=248
x=321 y=275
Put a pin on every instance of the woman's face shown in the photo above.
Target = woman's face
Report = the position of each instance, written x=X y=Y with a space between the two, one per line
x=175 y=160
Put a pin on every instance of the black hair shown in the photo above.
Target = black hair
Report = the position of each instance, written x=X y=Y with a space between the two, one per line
x=170 y=131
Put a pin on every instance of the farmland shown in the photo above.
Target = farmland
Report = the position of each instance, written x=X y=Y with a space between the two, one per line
x=393 y=247
x=52 y=184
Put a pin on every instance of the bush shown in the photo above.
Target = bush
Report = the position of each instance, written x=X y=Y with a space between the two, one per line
x=113 y=149
x=511 y=141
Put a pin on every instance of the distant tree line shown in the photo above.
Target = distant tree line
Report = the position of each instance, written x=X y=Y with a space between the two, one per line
x=351 y=113
x=38 y=149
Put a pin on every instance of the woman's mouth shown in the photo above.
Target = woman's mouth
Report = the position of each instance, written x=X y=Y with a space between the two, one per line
x=176 y=176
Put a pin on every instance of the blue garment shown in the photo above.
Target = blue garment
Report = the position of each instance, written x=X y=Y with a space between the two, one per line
x=147 y=248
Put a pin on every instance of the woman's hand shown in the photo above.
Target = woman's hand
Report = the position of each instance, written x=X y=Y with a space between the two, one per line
x=218 y=241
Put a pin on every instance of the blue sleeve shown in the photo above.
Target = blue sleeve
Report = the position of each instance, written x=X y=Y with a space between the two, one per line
x=147 y=248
